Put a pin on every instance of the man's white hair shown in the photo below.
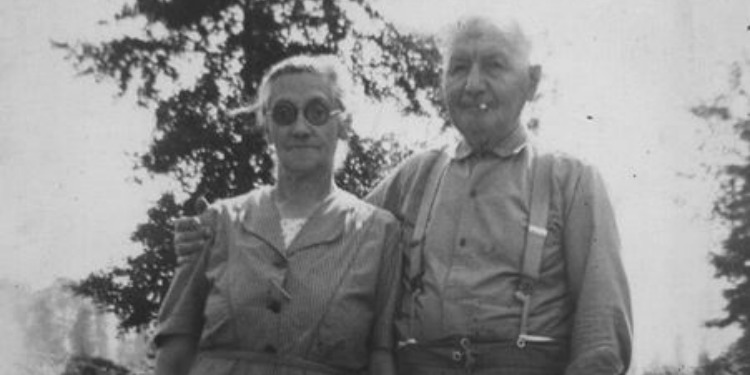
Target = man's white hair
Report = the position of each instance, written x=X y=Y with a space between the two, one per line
x=476 y=25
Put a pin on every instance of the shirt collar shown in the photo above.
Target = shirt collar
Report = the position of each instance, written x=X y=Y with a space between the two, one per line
x=511 y=145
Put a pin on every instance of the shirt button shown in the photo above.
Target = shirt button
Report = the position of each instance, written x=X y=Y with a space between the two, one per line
x=473 y=193
x=269 y=349
x=462 y=242
x=280 y=263
x=274 y=306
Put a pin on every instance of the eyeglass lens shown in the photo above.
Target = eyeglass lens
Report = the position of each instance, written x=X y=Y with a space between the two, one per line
x=316 y=112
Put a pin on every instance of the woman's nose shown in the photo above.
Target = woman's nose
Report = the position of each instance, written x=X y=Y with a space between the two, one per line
x=300 y=126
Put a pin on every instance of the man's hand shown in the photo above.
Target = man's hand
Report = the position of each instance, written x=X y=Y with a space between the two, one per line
x=192 y=233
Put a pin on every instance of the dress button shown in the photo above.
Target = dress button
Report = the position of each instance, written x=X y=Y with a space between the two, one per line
x=462 y=242
x=274 y=306
x=270 y=349
x=280 y=263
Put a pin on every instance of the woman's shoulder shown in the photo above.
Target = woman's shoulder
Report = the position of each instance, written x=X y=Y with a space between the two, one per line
x=236 y=208
x=242 y=201
x=363 y=211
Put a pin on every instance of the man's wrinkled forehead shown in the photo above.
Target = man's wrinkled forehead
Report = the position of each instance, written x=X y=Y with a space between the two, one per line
x=505 y=37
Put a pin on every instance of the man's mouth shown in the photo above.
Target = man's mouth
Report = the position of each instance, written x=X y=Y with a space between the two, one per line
x=481 y=106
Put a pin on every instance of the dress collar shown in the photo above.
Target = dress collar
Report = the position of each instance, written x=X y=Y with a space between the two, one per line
x=325 y=224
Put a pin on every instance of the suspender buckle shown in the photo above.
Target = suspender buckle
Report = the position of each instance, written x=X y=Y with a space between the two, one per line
x=407 y=342
x=467 y=354
x=521 y=341
x=537 y=230
x=525 y=287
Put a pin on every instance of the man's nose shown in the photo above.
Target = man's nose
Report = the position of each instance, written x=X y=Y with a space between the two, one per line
x=474 y=80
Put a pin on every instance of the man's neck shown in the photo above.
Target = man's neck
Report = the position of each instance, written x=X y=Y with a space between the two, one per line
x=490 y=141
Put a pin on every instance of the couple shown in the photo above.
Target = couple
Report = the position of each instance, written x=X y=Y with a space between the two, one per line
x=504 y=259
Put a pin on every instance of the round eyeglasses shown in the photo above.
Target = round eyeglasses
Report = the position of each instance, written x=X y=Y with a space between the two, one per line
x=315 y=111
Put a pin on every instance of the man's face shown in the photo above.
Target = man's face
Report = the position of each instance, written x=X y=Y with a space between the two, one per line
x=486 y=83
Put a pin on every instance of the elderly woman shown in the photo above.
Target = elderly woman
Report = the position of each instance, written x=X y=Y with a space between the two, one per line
x=300 y=277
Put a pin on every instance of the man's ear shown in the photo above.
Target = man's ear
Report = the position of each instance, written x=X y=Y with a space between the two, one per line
x=345 y=125
x=535 y=75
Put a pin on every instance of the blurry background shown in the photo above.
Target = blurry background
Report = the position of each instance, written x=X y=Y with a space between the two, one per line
x=653 y=93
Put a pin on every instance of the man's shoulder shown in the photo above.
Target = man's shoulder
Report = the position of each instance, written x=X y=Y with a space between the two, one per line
x=417 y=166
x=564 y=163
x=572 y=172
x=419 y=160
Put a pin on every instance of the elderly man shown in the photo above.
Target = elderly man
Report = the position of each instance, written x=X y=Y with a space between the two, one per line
x=513 y=261
x=512 y=254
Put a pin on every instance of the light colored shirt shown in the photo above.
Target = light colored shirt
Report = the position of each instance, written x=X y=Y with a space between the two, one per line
x=328 y=298
x=474 y=250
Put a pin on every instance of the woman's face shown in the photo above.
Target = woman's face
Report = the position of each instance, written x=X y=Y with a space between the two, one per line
x=304 y=123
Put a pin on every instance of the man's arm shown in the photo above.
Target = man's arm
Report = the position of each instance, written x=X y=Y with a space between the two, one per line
x=176 y=355
x=602 y=331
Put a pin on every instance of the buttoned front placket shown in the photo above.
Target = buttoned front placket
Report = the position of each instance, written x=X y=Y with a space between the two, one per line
x=463 y=182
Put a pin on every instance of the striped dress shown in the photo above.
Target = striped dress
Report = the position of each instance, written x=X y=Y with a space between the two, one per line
x=318 y=306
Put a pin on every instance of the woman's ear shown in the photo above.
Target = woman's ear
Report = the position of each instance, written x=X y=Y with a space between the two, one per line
x=345 y=125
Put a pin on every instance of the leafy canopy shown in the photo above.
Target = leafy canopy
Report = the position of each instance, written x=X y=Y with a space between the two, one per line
x=732 y=206
x=195 y=62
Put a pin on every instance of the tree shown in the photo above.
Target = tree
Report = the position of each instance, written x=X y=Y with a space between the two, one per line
x=199 y=143
x=732 y=263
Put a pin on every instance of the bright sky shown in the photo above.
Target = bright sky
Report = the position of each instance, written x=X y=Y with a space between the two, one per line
x=635 y=67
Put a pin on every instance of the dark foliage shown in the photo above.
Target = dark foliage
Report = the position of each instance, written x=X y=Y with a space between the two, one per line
x=227 y=45
x=732 y=206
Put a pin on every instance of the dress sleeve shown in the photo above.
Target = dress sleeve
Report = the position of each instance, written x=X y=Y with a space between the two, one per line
x=602 y=330
x=389 y=274
x=181 y=311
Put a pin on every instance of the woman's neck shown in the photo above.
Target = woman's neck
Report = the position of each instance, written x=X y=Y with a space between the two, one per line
x=297 y=196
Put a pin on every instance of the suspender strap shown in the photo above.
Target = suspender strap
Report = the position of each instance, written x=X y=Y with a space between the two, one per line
x=536 y=234
x=432 y=178
x=415 y=265
x=428 y=198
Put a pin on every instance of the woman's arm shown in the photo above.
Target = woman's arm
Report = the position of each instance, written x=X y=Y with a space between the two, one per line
x=175 y=355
